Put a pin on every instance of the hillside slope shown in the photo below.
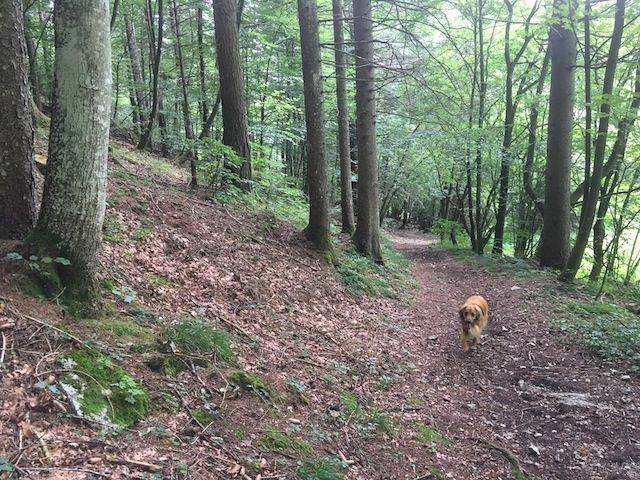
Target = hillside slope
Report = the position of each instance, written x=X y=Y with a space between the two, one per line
x=260 y=363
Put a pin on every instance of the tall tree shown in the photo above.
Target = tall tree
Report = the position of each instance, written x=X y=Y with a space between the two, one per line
x=344 y=147
x=367 y=235
x=234 y=111
x=511 y=101
x=592 y=186
x=17 y=184
x=554 y=247
x=318 y=230
x=186 y=111
x=73 y=204
x=145 y=139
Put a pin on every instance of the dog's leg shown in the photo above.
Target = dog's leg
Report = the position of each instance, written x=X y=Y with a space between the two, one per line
x=465 y=345
x=474 y=343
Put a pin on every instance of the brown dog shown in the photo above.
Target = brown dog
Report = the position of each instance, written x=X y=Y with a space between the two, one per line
x=474 y=315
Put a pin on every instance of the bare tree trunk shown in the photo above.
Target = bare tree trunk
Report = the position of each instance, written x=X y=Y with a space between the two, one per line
x=318 y=230
x=367 y=235
x=17 y=184
x=344 y=148
x=615 y=158
x=482 y=93
x=186 y=113
x=136 y=70
x=73 y=204
x=592 y=193
x=556 y=229
x=145 y=139
x=204 y=109
x=234 y=111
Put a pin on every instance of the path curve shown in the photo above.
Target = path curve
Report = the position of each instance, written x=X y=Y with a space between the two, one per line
x=528 y=393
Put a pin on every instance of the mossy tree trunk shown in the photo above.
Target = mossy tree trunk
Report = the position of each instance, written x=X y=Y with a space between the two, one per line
x=17 y=184
x=346 y=202
x=367 y=235
x=234 y=111
x=318 y=230
x=73 y=205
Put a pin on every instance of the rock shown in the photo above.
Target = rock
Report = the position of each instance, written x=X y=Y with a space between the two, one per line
x=535 y=449
x=573 y=399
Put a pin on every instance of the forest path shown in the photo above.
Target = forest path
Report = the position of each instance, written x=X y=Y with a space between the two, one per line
x=551 y=406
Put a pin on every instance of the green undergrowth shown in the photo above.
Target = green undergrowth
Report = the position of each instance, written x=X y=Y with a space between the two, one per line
x=191 y=341
x=364 y=277
x=326 y=468
x=367 y=420
x=610 y=330
x=500 y=264
x=277 y=441
x=104 y=388
x=124 y=154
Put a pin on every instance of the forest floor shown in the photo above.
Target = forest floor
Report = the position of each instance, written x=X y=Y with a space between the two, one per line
x=323 y=383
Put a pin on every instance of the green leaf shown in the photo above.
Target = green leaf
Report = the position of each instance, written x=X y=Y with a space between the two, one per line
x=62 y=261
x=13 y=256
x=5 y=465
x=47 y=259
x=33 y=258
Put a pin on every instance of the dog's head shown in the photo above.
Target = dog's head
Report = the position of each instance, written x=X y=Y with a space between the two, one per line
x=469 y=314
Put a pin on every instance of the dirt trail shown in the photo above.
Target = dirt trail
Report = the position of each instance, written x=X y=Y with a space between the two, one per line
x=552 y=407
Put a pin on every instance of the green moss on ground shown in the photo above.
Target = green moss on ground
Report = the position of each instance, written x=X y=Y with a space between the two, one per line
x=281 y=442
x=104 y=388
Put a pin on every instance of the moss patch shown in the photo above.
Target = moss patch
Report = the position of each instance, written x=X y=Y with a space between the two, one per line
x=124 y=328
x=429 y=436
x=251 y=383
x=104 y=388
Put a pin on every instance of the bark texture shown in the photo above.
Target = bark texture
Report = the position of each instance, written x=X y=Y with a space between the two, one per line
x=344 y=147
x=234 y=111
x=367 y=235
x=17 y=184
x=554 y=248
x=318 y=230
x=73 y=204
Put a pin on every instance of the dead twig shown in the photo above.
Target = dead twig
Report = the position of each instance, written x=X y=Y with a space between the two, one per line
x=517 y=469
x=64 y=469
x=148 y=467
x=46 y=324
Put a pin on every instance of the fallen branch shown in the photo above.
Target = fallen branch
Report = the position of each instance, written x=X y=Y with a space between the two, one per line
x=149 y=467
x=48 y=325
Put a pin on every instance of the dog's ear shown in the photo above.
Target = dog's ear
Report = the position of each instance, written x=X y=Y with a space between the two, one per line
x=461 y=311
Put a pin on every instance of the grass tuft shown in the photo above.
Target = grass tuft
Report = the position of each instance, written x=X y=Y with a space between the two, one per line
x=281 y=442
x=197 y=336
x=321 y=469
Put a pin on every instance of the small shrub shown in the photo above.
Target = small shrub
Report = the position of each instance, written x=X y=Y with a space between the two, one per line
x=197 y=336
x=321 y=469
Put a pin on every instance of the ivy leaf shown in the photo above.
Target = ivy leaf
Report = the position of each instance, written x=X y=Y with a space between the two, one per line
x=47 y=259
x=5 y=465
x=13 y=256
x=62 y=261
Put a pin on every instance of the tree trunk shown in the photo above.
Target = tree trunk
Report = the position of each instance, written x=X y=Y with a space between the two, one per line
x=145 y=139
x=73 y=204
x=318 y=230
x=482 y=93
x=367 y=235
x=234 y=112
x=615 y=158
x=136 y=70
x=557 y=225
x=186 y=113
x=592 y=193
x=204 y=109
x=346 y=193
x=17 y=184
